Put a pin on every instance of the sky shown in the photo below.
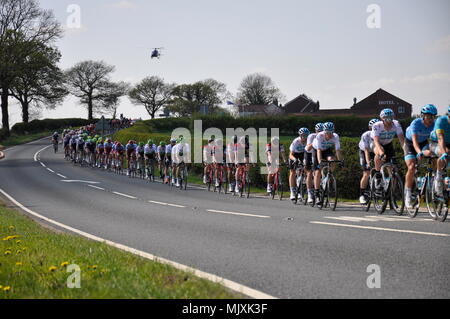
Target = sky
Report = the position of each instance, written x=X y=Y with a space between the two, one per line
x=326 y=49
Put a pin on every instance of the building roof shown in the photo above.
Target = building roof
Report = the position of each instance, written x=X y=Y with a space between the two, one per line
x=261 y=109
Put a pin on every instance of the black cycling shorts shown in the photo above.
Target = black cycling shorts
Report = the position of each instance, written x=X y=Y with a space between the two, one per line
x=299 y=156
x=362 y=159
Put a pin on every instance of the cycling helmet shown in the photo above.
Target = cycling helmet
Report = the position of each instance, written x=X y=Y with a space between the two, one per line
x=150 y=142
x=372 y=122
x=109 y=140
x=162 y=144
x=328 y=127
x=319 y=127
x=119 y=144
x=130 y=142
x=173 y=140
x=275 y=140
x=94 y=140
x=141 y=144
x=303 y=131
x=56 y=133
x=387 y=114
x=429 y=109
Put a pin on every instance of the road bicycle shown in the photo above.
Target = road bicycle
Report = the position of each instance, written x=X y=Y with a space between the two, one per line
x=222 y=179
x=388 y=188
x=141 y=167
x=244 y=182
x=183 y=173
x=369 y=192
x=328 y=193
x=150 y=170
x=55 y=145
x=132 y=167
x=301 y=192
x=277 y=187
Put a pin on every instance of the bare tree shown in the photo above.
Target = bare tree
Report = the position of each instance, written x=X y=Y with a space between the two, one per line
x=153 y=93
x=90 y=82
x=21 y=22
x=258 y=89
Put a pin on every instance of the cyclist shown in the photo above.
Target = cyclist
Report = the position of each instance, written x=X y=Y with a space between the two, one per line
x=141 y=156
x=131 y=153
x=119 y=151
x=66 y=140
x=89 y=148
x=273 y=160
x=322 y=145
x=108 y=150
x=218 y=159
x=383 y=134
x=100 y=152
x=150 y=154
x=80 y=148
x=366 y=154
x=231 y=154
x=180 y=156
x=242 y=159
x=310 y=166
x=440 y=145
x=297 y=154
x=208 y=152
x=160 y=156
x=168 y=160
x=417 y=135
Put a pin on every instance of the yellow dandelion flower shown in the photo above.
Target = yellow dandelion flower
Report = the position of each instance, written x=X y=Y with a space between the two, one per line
x=65 y=264
x=52 y=268
x=18 y=241
x=18 y=252
x=1 y=287
x=18 y=263
x=8 y=252
x=24 y=248
x=6 y=288
x=11 y=227
x=94 y=267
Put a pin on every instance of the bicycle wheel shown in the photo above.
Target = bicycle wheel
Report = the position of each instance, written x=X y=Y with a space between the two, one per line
x=397 y=195
x=432 y=203
x=185 y=178
x=417 y=199
x=280 y=188
x=332 y=193
x=441 y=214
x=303 y=189
x=247 y=185
x=378 y=197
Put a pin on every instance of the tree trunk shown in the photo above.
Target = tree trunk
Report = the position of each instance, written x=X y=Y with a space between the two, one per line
x=25 y=112
x=90 y=110
x=5 y=114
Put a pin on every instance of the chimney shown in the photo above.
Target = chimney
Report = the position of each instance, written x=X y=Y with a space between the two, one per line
x=355 y=100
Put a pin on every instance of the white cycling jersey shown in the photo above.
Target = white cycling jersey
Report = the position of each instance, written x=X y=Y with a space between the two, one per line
x=181 y=153
x=310 y=141
x=297 y=146
x=366 y=142
x=320 y=142
x=150 y=149
x=208 y=152
x=386 y=136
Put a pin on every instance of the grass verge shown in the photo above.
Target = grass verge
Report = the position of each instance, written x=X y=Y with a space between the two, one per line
x=34 y=264
x=21 y=139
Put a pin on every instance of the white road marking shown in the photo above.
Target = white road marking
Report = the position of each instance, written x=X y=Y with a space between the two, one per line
x=374 y=219
x=43 y=165
x=225 y=282
x=36 y=154
x=96 y=187
x=78 y=181
x=124 y=195
x=385 y=229
x=166 y=204
x=62 y=176
x=239 y=214
x=50 y=170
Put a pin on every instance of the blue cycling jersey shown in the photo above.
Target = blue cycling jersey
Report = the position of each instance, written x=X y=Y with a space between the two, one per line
x=441 y=125
x=417 y=127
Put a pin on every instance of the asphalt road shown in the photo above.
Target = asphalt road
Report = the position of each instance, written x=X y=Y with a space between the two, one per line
x=275 y=247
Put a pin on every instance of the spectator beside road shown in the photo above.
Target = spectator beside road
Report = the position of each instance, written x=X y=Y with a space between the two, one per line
x=2 y=155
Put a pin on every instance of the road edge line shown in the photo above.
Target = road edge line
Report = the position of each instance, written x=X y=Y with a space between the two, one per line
x=253 y=293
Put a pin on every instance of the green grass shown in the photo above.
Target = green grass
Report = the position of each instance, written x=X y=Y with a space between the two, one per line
x=21 y=139
x=28 y=251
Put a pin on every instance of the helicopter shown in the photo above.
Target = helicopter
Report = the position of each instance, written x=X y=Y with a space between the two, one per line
x=156 y=53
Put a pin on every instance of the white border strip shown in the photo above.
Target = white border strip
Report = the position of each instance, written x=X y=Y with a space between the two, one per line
x=124 y=195
x=216 y=279
x=385 y=229
x=239 y=214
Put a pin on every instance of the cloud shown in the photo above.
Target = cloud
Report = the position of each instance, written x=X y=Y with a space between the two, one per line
x=441 y=45
x=124 y=4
